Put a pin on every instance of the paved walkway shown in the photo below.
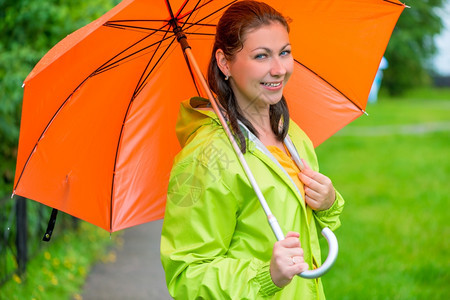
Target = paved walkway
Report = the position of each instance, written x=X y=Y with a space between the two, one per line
x=400 y=129
x=137 y=272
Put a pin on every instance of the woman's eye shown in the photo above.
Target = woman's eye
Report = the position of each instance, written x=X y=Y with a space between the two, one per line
x=285 y=52
x=260 y=56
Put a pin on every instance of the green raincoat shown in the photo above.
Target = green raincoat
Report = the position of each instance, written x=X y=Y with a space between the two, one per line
x=216 y=242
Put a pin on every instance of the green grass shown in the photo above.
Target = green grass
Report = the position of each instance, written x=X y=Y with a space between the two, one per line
x=418 y=106
x=394 y=234
x=60 y=269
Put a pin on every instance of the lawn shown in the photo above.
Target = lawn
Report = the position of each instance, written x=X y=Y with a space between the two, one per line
x=394 y=234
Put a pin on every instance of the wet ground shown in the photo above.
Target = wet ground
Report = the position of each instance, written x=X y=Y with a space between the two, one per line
x=136 y=272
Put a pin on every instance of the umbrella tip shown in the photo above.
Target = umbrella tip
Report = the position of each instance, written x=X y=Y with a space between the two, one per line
x=23 y=84
x=13 y=193
x=365 y=112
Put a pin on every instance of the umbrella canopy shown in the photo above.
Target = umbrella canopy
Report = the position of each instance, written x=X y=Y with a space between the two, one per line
x=98 y=121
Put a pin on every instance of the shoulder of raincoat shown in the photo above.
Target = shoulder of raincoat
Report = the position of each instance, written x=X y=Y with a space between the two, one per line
x=216 y=242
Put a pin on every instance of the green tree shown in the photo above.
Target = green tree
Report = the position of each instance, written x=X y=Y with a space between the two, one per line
x=412 y=46
x=28 y=30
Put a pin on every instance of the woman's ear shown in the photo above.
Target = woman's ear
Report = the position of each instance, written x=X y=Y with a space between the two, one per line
x=222 y=63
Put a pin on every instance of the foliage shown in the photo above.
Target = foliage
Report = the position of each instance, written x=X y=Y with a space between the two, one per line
x=393 y=239
x=29 y=29
x=37 y=217
x=60 y=269
x=412 y=46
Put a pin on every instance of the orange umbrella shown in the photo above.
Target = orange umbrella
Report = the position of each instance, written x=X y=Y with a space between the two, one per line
x=97 y=132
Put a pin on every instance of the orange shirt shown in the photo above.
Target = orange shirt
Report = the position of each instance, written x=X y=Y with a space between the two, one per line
x=291 y=168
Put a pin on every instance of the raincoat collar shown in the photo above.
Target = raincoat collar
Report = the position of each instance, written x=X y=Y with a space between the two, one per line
x=197 y=112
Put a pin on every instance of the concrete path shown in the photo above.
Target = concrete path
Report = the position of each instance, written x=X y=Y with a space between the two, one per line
x=136 y=273
x=400 y=129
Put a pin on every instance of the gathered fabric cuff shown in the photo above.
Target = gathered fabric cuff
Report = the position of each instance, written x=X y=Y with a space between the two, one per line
x=268 y=288
x=326 y=212
x=335 y=207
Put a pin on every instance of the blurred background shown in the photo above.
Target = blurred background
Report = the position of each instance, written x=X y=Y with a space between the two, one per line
x=392 y=167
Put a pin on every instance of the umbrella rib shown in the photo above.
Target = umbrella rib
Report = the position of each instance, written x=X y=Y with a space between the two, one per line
x=395 y=3
x=108 y=64
x=134 y=20
x=200 y=33
x=115 y=163
x=169 y=8
x=199 y=7
x=189 y=13
x=200 y=24
x=138 y=89
x=182 y=7
x=142 y=85
x=142 y=81
x=206 y=17
x=45 y=130
x=330 y=85
x=185 y=56
x=125 y=27
x=192 y=11
x=191 y=72
x=113 y=64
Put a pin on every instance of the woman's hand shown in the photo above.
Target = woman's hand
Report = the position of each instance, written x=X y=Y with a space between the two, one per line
x=287 y=260
x=319 y=190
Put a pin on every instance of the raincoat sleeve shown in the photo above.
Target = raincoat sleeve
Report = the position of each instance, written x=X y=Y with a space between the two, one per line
x=199 y=223
x=330 y=217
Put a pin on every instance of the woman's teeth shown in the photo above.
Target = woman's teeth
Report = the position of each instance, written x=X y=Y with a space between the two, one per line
x=270 y=84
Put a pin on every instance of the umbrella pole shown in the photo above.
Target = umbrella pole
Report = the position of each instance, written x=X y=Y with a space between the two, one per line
x=270 y=217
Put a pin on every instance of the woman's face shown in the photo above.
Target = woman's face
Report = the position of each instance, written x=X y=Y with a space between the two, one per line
x=259 y=71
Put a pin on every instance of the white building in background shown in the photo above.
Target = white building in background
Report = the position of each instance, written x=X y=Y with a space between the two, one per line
x=442 y=59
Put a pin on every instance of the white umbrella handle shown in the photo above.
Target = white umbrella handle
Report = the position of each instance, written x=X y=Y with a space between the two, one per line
x=332 y=255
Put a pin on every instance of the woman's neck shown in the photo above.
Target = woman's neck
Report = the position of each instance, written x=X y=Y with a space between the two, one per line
x=258 y=116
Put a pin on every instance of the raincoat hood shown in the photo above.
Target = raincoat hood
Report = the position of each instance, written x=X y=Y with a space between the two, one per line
x=192 y=115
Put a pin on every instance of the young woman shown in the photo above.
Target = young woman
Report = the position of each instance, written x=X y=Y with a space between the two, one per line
x=216 y=242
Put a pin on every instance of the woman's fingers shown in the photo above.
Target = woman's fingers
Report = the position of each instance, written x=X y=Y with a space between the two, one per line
x=319 y=190
x=287 y=259
x=313 y=194
x=314 y=180
x=283 y=251
x=292 y=234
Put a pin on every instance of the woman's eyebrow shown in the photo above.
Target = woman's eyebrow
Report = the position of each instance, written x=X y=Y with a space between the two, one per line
x=262 y=48
x=268 y=49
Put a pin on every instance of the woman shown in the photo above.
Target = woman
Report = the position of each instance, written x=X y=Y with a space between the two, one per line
x=216 y=242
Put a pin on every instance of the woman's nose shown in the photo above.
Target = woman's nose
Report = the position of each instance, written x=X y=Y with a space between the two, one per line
x=277 y=68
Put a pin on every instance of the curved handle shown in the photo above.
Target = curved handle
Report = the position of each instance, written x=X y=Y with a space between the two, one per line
x=332 y=255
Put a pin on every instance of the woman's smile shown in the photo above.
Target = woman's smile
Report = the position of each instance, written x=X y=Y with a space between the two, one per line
x=273 y=86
